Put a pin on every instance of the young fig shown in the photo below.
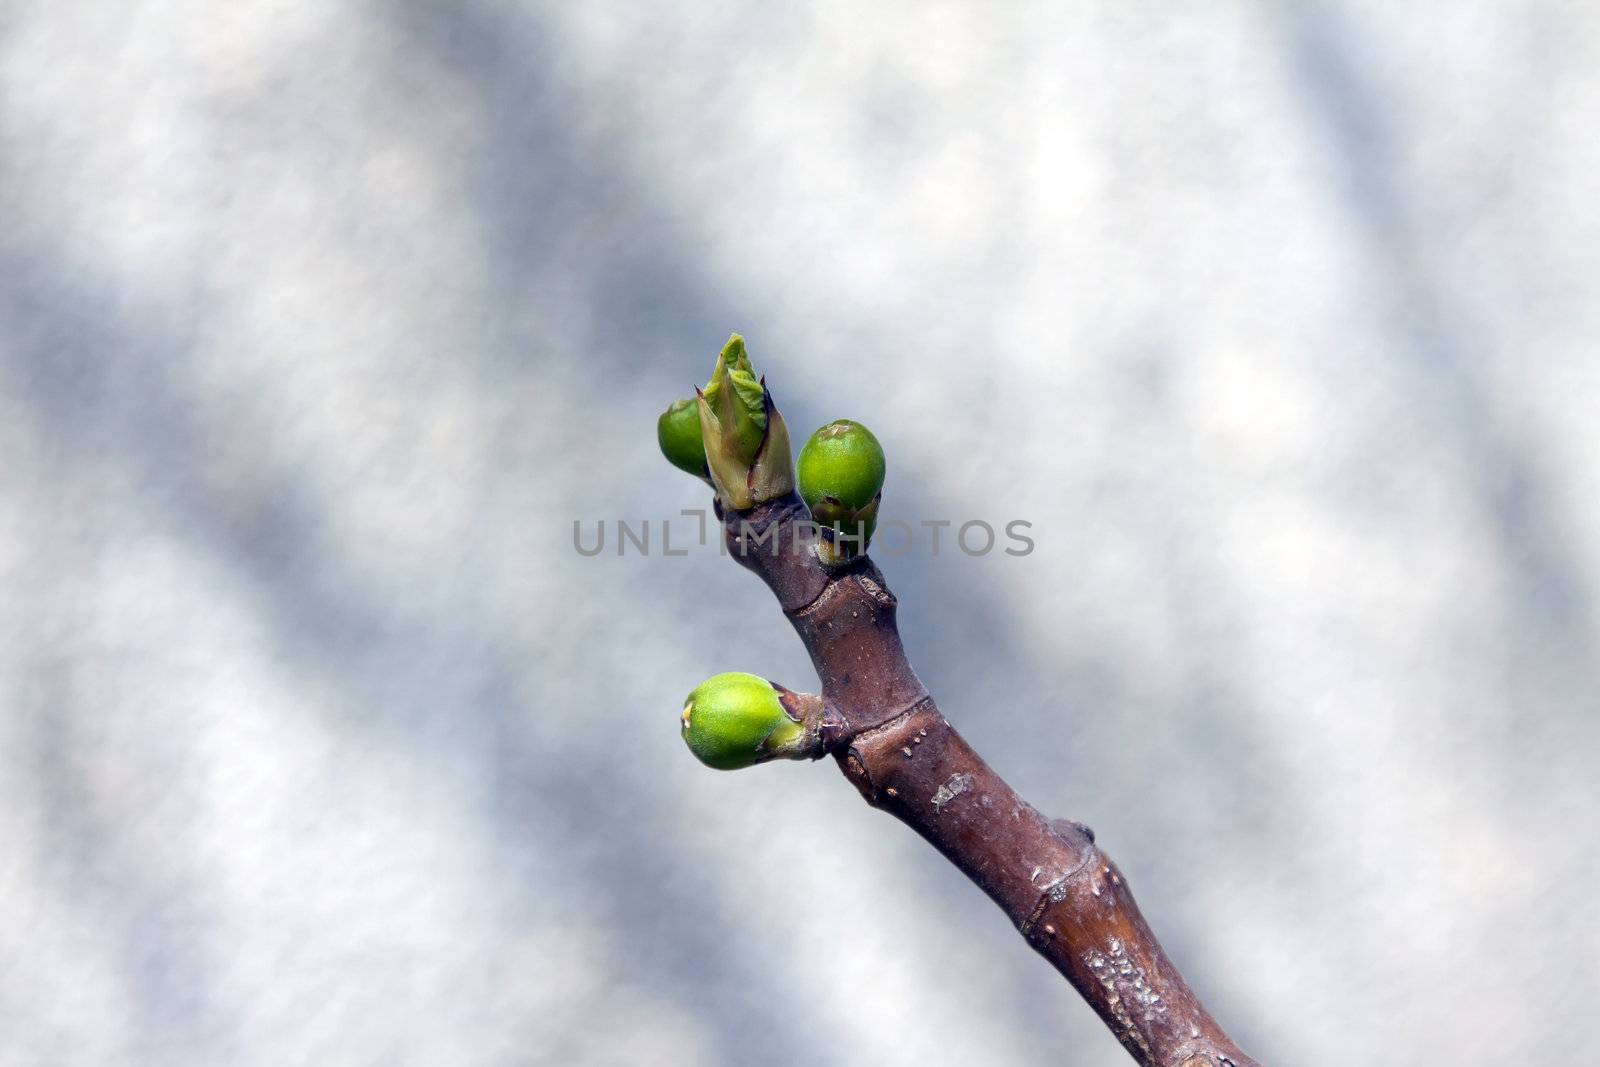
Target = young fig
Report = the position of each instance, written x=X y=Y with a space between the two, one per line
x=678 y=434
x=735 y=720
x=841 y=472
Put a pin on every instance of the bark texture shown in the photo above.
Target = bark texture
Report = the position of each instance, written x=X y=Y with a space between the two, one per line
x=1066 y=897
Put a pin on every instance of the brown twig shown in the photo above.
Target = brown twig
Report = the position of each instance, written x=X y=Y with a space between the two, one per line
x=1063 y=893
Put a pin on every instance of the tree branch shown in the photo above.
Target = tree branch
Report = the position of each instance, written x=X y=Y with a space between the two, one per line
x=1066 y=897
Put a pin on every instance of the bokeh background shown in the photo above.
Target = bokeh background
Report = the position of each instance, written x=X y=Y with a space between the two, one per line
x=321 y=324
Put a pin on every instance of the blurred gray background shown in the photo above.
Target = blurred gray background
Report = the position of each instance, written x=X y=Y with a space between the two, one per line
x=320 y=324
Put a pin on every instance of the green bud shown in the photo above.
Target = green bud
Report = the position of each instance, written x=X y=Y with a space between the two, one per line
x=746 y=441
x=735 y=720
x=841 y=473
x=738 y=399
x=678 y=433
